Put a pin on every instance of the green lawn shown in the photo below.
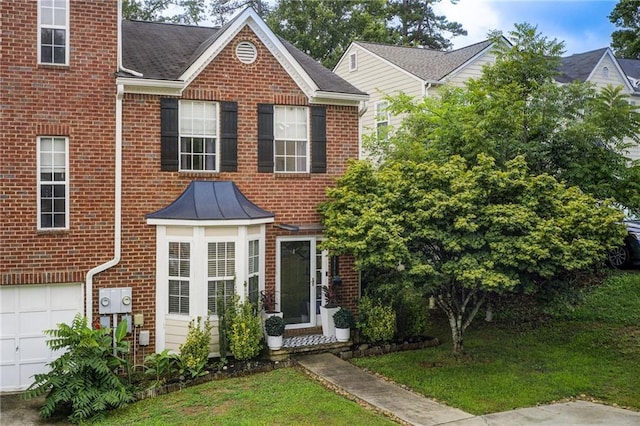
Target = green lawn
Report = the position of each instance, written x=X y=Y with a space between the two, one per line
x=592 y=353
x=280 y=397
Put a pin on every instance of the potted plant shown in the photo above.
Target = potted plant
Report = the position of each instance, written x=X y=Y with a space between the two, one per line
x=343 y=319
x=274 y=327
x=268 y=301
x=328 y=309
x=268 y=304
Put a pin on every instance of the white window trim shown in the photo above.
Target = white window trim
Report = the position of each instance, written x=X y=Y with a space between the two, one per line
x=308 y=141
x=377 y=115
x=217 y=137
x=174 y=239
x=67 y=35
x=353 y=63
x=66 y=184
x=198 y=279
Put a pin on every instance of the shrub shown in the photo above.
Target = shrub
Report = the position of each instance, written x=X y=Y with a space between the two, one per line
x=194 y=352
x=245 y=331
x=274 y=326
x=412 y=317
x=83 y=381
x=375 y=321
x=161 y=366
x=343 y=318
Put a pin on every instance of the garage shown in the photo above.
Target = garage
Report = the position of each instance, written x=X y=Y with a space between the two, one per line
x=25 y=311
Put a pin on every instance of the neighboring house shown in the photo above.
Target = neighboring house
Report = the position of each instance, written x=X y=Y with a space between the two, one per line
x=602 y=68
x=182 y=163
x=383 y=69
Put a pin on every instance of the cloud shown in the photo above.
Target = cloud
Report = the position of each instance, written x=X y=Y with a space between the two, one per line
x=477 y=17
x=582 y=25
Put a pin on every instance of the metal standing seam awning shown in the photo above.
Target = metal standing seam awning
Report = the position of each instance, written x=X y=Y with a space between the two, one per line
x=211 y=201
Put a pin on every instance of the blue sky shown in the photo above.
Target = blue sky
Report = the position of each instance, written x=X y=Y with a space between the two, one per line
x=582 y=24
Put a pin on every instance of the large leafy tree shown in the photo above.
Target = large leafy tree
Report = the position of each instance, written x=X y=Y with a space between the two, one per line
x=626 y=40
x=418 y=24
x=146 y=10
x=461 y=231
x=324 y=28
x=191 y=12
x=574 y=132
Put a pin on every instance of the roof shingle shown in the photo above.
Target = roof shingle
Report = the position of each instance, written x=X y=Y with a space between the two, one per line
x=164 y=51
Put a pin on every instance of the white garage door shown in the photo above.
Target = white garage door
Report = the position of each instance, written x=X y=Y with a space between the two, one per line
x=25 y=311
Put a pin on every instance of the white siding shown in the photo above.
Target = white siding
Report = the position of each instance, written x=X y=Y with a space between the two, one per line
x=472 y=69
x=614 y=78
x=176 y=334
x=378 y=78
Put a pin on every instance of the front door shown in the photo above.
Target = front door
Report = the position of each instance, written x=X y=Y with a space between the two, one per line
x=301 y=273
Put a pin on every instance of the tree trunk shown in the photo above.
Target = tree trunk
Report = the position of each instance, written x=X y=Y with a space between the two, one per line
x=455 y=322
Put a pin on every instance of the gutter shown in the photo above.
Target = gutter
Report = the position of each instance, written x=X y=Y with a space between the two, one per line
x=117 y=225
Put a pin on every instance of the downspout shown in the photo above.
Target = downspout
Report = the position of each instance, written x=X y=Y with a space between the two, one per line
x=117 y=229
x=362 y=109
x=425 y=90
x=117 y=222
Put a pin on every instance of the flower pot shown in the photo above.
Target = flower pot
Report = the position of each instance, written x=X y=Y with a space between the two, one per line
x=274 y=342
x=326 y=315
x=343 y=334
x=264 y=315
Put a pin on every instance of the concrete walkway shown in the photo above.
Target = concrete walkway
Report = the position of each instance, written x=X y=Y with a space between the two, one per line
x=417 y=410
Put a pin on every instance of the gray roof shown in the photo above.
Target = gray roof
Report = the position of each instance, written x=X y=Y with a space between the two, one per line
x=579 y=66
x=427 y=64
x=631 y=67
x=164 y=51
x=211 y=200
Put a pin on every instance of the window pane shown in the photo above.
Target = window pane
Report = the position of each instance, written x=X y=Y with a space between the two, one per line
x=46 y=53
x=58 y=220
x=59 y=16
x=58 y=191
x=59 y=205
x=301 y=164
x=46 y=221
x=46 y=205
x=46 y=191
x=59 y=37
x=58 y=55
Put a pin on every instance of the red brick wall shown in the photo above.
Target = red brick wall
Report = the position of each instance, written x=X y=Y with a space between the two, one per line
x=86 y=113
x=76 y=101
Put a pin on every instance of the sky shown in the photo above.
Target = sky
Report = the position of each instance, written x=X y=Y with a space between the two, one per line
x=583 y=25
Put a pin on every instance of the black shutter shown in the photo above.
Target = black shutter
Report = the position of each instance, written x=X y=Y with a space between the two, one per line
x=265 y=138
x=318 y=139
x=169 y=134
x=229 y=136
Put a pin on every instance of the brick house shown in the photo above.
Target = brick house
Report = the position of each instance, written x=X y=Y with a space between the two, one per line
x=179 y=163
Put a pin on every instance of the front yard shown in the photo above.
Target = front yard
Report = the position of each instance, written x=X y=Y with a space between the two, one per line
x=281 y=397
x=592 y=353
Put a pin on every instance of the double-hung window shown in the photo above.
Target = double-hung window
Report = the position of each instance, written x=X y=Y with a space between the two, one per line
x=53 y=183
x=254 y=271
x=198 y=136
x=291 y=138
x=179 y=277
x=53 y=38
x=382 y=119
x=221 y=269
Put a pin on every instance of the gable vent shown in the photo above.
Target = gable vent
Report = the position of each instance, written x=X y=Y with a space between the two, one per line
x=246 y=52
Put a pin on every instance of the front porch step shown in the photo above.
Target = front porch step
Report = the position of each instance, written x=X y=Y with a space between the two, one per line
x=308 y=344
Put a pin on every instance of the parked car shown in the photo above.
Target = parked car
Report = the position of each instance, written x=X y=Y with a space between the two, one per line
x=628 y=254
